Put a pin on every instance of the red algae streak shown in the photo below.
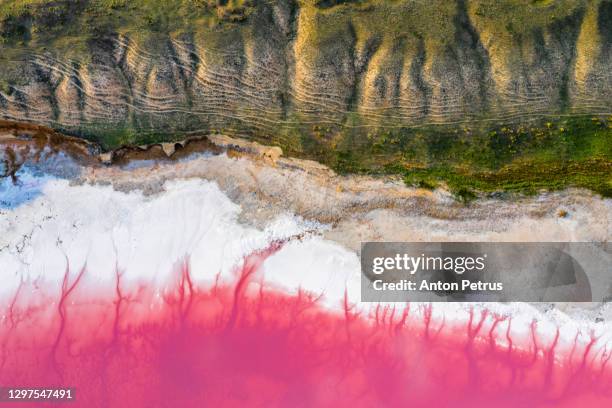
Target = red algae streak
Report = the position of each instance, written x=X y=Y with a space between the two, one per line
x=244 y=344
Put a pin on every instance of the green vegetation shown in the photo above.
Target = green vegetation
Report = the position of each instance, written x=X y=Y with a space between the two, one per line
x=42 y=24
x=124 y=13
x=549 y=155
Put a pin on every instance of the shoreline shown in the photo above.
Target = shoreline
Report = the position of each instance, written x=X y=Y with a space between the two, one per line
x=354 y=207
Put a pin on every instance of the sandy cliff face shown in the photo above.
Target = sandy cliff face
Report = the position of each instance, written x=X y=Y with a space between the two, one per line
x=320 y=66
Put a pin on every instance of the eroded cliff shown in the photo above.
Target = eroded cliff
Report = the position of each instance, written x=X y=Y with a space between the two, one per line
x=270 y=67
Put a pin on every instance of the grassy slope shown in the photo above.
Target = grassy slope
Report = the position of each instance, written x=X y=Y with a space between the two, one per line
x=553 y=154
x=66 y=24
